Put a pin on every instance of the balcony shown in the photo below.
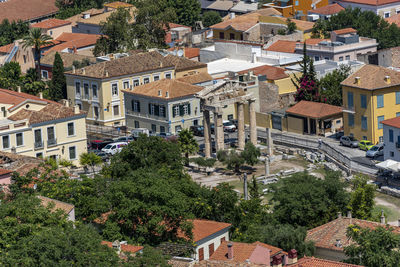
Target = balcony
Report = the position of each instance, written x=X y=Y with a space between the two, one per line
x=39 y=145
x=350 y=110
x=52 y=142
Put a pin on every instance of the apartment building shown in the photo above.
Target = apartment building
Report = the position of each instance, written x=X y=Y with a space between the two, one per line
x=296 y=8
x=37 y=127
x=370 y=96
x=54 y=27
x=383 y=8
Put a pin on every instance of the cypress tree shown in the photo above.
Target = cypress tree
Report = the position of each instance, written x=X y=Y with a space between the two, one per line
x=58 y=86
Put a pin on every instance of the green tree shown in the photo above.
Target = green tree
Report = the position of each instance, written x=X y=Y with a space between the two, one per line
x=10 y=75
x=150 y=257
x=30 y=83
x=36 y=39
x=373 y=247
x=319 y=29
x=291 y=26
x=331 y=90
x=187 y=11
x=58 y=84
x=250 y=154
x=362 y=198
x=210 y=18
x=90 y=159
x=9 y=32
x=232 y=159
x=187 y=143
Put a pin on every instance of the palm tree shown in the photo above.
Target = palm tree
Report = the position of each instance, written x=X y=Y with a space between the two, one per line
x=187 y=143
x=36 y=39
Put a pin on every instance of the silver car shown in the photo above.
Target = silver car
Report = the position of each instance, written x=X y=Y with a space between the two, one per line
x=375 y=151
x=348 y=141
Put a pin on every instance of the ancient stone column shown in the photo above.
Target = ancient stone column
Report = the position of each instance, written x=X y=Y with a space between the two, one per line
x=253 y=122
x=207 y=133
x=270 y=142
x=219 y=131
x=241 y=132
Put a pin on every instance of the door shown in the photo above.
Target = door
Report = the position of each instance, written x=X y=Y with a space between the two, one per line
x=201 y=254
x=210 y=249
x=305 y=125
x=313 y=126
x=276 y=122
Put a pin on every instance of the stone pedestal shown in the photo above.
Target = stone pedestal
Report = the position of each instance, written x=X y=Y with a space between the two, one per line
x=241 y=132
x=253 y=122
x=219 y=131
x=207 y=133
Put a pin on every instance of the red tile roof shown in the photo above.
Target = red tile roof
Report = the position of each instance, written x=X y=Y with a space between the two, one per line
x=315 y=262
x=326 y=235
x=71 y=40
x=124 y=248
x=200 y=77
x=14 y=10
x=371 y=2
x=6 y=48
x=283 y=46
x=4 y=171
x=272 y=73
x=314 y=110
x=14 y=98
x=315 y=41
x=51 y=23
x=204 y=228
x=66 y=207
x=345 y=30
x=393 y=122
x=273 y=250
x=327 y=10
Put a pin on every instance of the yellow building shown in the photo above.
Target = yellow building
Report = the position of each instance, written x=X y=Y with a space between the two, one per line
x=36 y=127
x=96 y=89
x=297 y=8
x=370 y=95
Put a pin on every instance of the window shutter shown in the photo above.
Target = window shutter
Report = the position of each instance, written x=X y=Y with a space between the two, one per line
x=138 y=106
x=173 y=111
x=181 y=110
x=188 y=106
x=157 y=110
x=150 y=109
x=165 y=111
x=133 y=105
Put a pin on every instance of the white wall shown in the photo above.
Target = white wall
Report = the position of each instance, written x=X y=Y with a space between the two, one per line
x=390 y=146
x=217 y=242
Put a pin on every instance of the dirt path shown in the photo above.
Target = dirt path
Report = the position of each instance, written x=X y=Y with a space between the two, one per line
x=379 y=201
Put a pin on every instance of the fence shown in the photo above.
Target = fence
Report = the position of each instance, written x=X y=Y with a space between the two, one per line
x=106 y=131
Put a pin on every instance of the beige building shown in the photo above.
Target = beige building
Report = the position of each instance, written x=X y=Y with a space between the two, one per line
x=37 y=127
x=97 y=88
x=163 y=106
x=54 y=27
x=15 y=52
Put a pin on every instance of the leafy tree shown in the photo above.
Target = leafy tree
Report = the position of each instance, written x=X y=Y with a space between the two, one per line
x=304 y=200
x=362 y=198
x=58 y=85
x=187 y=11
x=90 y=159
x=9 y=32
x=187 y=143
x=10 y=75
x=232 y=159
x=30 y=83
x=373 y=248
x=281 y=32
x=331 y=90
x=150 y=257
x=204 y=162
x=210 y=18
x=36 y=39
x=250 y=154
x=291 y=26
x=254 y=189
x=319 y=30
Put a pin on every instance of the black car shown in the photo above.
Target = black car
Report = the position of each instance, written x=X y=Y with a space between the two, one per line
x=213 y=148
x=197 y=130
x=104 y=156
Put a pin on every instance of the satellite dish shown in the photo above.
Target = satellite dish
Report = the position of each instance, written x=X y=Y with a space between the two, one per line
x=180 y=53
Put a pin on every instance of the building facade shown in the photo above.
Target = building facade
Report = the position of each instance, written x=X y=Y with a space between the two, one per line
x=383 y=8
x=37 y=127
x=54 y=27
x=297 y=8
x=391 y=138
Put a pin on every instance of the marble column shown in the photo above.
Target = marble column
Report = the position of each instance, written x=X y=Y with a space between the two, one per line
x=253 y=122
x=270 y=142
x=207 y=133
x=219 y=131
x=240 y=130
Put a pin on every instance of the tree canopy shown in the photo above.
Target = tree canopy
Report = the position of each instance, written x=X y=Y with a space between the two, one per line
x=187 y=11
x=210 y=18
x=58 y=84
x=9 y=32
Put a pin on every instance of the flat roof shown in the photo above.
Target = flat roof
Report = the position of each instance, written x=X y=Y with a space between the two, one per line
x=235 y=65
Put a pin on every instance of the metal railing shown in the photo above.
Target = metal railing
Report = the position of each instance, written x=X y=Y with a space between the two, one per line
x=52 y=142
x=39 y=145
x=107 y=131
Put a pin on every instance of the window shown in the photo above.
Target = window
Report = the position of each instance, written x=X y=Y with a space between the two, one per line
x=95 y=112
x=72 y=152
x=380 y=139
x=185 y=110
x=45 y=74
x=326 y=58
x=39 y=155
x=232 y=36
x=391 y=154
x=175 y=111
x=347 y=57
x=211 y=249
x=116 y=110
x=162 y=111
x=51 y=32
x=50 y=133
x=78 y=89
x=136 y=82
x=386 y=14
x=146 y=80
x=25 y=59
x=221 y=35
x=114 y=89
x=153 y=128
x=201 y=254
x=379 y=101
x=178 y=128
x=126 y=84
x=363 y=101
x=195 y=122
x=391 y=136
x=397 y=114
x=296 y=3
x=135 y=106
x=316 y=58
x=156 y=77
x=137 y=124
x=340 y=58
x=168 y=76
x=162 y=129
x=71 y=129
x=86 y=90
x=19 y=139
x=38 y=137
x=80 y=106
x=94 y=90
x=350 y=100
x=6 y=141
x=351 y=119
x=397 y=98
x=364 y=123
x=380 y=119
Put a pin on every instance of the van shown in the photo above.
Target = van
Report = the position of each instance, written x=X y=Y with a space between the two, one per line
x=138 y=131
x=114 y=148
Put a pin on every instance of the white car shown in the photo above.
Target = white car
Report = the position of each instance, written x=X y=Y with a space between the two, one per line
x=114 y=148
x=229 y=126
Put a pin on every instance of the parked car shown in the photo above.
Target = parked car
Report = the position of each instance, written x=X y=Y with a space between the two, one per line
x=375 y=151
x=197 y=130
x=339 y=135
x=99 y=144
x=165 y=135
x=138 y=131
x=365 y=145
x=229 y=126
x=213 y=148
x=114 y=148
x=104 y=156
x=348 y=141
x=127 y=139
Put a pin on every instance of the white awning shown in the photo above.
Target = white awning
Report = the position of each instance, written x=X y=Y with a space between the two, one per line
x=388 y=164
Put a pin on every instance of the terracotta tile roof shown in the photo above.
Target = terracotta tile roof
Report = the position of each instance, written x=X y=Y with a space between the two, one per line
x=370 y=2
x=57 y=204
x=91 y=12
x=200 y=77
x=393 y=122
x=315 y=262
x=192 y=52
x=315 y=41
x=117 y=4
x=182 y=63
x=204 y=228
x=18 y=163
x=6 y=48
x=314 y=109
x=14 y=10
x=51 y=23
x=272 y=73
x=373 y=77
x=283 y=46
x=67 y=58
x=327 y=10
x=223 y=5
x=175 y=25
x=273 y=250
x=246 y=21
x=303 y=25
x=71 y=40
x=345 y=31
x=124 y=248
x=14 y=98
x=394 y=19
x=98 y=19
x=4 y=171
x=220 y=263
x=159 y=89
x=326 y=235
x=141 y=62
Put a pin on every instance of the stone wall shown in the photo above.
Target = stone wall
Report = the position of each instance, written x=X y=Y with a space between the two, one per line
x=296 y=36
x=271 y=100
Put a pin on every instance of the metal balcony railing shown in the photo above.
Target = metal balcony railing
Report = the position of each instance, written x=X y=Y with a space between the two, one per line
x=39 y=145
x=52 y=142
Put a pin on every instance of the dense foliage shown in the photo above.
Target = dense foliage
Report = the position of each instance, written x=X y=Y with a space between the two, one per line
x=58 y=84
x=10 y=78
x=330 y=85
x=9 y=32
x=362 y=199
x=187 y=11
x=210 y=18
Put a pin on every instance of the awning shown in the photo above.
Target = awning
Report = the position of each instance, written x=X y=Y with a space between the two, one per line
x=387 y=164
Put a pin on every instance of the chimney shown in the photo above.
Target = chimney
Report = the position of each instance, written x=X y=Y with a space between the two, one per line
x=117 y=246
x=166 y=94
x=338 y=243
x=76 y=109
x=19 y=89
x=230 y=251
x=277 y=261
x=357 y=80
x=232 y=15
x=253 y=57
x=106 y=73
x=383 y=220
x=349 y=214
x=41 y=95
x=73 y=69
x=292 y=255
x=339 y=215
x=83 y=71
x=387 y=79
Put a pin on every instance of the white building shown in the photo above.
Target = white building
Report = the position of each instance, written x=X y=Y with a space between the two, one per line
x=391 y=138
x=383 y=8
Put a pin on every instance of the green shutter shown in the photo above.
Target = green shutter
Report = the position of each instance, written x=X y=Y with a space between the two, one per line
x=150 y=109
x=188 y=106
x=173 y=111
x=157 y=110
x=133 y=105
x=181 y=110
